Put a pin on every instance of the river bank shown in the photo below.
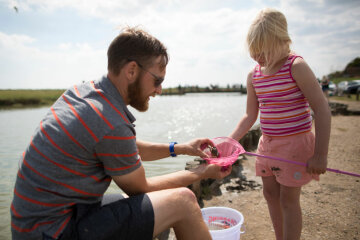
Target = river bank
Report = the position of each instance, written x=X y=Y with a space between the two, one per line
x=21 y=98
x=330 y=207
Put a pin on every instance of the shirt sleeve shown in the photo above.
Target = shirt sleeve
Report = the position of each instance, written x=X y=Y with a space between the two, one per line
x=118 y=151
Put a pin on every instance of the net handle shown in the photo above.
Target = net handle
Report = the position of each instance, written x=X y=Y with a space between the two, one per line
x=303 y=164
x=242 y=151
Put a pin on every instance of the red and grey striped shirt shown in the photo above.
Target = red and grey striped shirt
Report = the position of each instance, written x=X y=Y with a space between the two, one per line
x=86 y=137
x=284 y=110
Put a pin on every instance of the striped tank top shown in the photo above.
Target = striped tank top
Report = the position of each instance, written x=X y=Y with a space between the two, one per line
x=284 y=110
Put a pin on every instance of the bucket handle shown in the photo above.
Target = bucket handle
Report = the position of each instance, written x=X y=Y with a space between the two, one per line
x=242 y=229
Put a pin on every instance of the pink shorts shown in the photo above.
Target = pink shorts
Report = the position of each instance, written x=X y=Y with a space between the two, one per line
x=295 y=148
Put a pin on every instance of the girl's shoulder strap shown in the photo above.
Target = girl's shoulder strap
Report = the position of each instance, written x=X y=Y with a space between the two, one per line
x=256 y=70
x=292 y=57
x=291 y=61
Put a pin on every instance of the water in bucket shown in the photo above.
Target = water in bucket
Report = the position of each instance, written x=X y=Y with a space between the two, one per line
x=224 y=223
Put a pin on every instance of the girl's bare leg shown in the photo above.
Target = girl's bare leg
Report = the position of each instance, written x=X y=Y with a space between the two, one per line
x=271 y=191
x=291 y=209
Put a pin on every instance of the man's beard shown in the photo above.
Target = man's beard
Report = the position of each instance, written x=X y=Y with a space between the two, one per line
x=136 y=100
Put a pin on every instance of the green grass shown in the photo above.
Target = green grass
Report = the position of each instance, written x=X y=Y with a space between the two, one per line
x=21 y=98
x=340 y=79
x=345 y=97
x=24 y=98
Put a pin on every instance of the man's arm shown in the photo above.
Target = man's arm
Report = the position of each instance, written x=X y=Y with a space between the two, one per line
x=136 y=182
x=150 y=151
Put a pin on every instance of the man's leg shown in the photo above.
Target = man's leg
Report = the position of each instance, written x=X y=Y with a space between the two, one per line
x=111 y=197
x=178 y=208
x=118 y=218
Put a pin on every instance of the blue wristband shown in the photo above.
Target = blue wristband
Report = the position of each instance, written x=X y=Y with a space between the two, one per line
x=171 y=149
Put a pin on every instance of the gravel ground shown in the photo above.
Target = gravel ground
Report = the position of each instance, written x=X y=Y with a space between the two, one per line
x=331 y=207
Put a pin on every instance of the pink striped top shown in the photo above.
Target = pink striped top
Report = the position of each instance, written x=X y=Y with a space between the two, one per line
x=284 y=110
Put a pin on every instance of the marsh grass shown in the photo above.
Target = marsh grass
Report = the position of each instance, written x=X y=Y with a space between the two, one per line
x=24 y=98
x=351 y=97
x=340 y=79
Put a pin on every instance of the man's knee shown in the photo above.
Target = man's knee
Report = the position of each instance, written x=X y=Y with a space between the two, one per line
x=184 y=198
x=174 y=204
x=187 y=194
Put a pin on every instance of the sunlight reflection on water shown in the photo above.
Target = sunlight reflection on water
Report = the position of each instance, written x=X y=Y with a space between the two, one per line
x=169 y=118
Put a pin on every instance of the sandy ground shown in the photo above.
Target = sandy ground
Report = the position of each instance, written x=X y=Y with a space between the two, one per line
x=331 y=207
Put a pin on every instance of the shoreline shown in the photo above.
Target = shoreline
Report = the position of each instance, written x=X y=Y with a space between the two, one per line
x=23 y=98
x=330 y=206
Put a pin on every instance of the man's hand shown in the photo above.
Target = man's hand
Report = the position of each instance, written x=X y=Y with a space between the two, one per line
x=213 y=171
x=193 y=147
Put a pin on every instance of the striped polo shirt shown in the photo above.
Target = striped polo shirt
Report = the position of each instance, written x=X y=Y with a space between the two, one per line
x=86 y=137
x=284 y=110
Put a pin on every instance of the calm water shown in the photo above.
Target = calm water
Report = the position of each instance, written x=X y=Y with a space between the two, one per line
x=169 y=118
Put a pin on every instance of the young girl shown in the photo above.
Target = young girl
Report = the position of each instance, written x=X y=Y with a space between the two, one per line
x=283 y=88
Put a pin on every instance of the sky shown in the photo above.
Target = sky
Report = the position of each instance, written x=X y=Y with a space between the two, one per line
x=46 y=44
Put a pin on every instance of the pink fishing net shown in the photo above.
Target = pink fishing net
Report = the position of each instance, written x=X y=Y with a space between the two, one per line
x=228 y=151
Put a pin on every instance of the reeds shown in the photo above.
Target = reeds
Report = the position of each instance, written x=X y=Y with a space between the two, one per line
x=22 y=98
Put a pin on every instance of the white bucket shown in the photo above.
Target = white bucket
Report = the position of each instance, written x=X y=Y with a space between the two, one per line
x=224 y=223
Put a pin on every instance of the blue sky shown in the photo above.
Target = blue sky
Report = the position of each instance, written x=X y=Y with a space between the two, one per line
x=58 y=43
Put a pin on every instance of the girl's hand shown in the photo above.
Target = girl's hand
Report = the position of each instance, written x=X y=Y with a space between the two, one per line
x=316 y=165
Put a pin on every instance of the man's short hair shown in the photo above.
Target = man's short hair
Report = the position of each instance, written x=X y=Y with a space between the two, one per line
x=134 y=44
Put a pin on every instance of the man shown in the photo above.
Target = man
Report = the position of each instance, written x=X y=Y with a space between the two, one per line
x=88 y=139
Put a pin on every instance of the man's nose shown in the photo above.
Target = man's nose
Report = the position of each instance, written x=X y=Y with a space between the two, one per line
x=158 y=89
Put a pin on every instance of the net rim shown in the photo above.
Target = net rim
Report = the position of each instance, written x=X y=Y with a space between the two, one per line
x=228 y=160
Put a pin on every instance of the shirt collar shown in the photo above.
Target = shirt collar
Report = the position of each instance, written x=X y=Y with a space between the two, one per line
x=108 y=87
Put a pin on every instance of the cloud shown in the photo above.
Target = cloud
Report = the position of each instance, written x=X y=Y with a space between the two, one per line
x=206 y=44
x=26 y=66
x=15 y=40
x=206 y=47
x=205 y=38
x=326 y=33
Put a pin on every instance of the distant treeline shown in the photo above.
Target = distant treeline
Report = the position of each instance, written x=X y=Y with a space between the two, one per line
x=196 y=89
x=23 y=98
x=350 y=72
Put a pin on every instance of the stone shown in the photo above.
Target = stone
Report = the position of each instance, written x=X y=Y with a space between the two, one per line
x=235 y=181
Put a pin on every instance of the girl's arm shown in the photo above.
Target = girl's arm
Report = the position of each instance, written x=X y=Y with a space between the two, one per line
x=252 y=108
x=309 y=86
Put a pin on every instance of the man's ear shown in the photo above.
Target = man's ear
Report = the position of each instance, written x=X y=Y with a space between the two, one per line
x=131 y=71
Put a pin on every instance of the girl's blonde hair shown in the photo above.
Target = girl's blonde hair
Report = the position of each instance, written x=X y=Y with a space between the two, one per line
x=268 y=36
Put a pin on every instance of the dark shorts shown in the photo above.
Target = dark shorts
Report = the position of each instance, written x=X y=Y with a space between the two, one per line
x=127 y=218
